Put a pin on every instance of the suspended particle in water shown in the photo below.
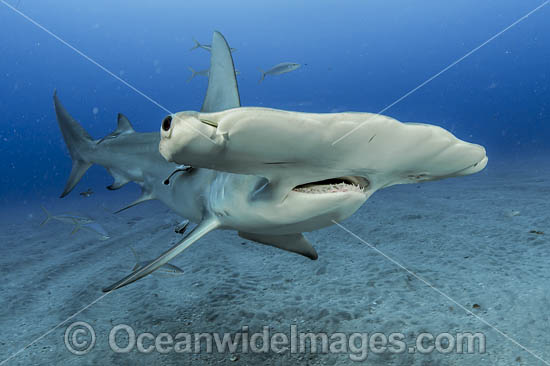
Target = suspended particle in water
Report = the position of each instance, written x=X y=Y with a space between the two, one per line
x=95 y=110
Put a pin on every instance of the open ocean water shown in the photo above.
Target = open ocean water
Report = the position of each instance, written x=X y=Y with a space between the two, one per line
x=449 y=272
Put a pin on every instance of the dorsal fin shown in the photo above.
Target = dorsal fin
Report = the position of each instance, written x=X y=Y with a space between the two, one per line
x=222 y=92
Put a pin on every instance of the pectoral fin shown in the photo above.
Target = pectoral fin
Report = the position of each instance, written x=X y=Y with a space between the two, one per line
x=295 y=243
x=198 y=232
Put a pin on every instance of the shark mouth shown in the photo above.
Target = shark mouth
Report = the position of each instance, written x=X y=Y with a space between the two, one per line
x=334 y=185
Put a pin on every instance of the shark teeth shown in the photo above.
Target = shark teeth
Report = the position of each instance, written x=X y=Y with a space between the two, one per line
x=330 y=188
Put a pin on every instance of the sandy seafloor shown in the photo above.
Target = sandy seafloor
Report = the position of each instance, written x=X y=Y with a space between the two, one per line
x=469 y=237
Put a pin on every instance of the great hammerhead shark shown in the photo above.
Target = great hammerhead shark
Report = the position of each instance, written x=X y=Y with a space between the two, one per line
x=271 y=175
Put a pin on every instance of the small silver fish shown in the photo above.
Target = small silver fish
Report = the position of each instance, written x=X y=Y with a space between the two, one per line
x=166 y=269
x=279 y=69
x=79 y=222
x=181 y=227
x=195 y=73
x=206 y=46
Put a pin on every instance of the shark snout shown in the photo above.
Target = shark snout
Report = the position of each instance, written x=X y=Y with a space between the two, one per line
x=458 y=158
x=477 y=157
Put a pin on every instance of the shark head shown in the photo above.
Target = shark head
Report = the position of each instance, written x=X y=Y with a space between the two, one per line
x=302 y=173
x=296 y=149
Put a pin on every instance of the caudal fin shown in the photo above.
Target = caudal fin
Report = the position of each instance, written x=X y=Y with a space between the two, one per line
x=193 y=73
x=78 y=142
x=77 y=226
x=263 y=76
x=48 y=216
x=197 y=45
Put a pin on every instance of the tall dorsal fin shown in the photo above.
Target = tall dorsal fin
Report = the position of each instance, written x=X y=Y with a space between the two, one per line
x=222 y=92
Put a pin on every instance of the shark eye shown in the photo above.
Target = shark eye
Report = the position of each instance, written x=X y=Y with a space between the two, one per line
x=166 y=123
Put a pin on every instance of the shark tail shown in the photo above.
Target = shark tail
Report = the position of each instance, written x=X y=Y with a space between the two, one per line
x=78 y=142
x=193 y=73
x=263 y=76
x=197 y=45
x=48 y=216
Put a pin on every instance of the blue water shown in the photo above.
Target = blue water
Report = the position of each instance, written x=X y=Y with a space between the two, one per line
x=360 y=56
x=483 y=240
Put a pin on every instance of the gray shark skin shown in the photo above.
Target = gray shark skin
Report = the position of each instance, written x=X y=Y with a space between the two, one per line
x=203 y=73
